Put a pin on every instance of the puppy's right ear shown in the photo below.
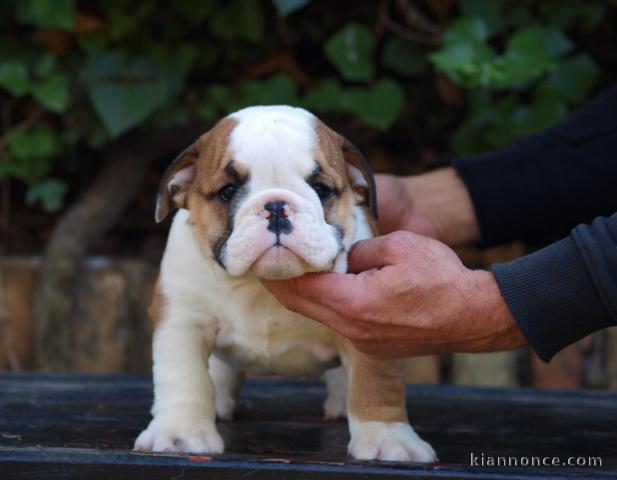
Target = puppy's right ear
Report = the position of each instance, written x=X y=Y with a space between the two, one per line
x=176 y=182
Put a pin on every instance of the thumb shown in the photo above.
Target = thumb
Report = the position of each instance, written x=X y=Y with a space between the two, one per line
x=318 y=288
x=367 y=254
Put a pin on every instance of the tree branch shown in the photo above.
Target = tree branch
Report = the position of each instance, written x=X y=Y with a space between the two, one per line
x=90 y=217
x=423 y=38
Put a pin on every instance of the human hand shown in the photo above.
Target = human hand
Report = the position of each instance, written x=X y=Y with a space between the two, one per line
x=405 y=295
x=434 y=204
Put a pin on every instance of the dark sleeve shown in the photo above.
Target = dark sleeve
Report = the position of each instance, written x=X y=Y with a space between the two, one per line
x=539 y=188
x=565 y=291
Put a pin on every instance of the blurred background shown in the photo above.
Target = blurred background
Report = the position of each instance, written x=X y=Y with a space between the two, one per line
x=97 y=97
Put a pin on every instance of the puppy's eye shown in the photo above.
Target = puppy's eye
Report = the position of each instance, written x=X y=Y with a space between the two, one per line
x=323 y=191
x=227 y=192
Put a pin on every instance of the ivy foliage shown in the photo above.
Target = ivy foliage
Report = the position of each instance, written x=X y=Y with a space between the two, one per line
x=538 y=74
x=75 y=73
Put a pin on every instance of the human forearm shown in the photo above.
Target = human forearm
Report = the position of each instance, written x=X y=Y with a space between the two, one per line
x=565 y=291
x=435 y=204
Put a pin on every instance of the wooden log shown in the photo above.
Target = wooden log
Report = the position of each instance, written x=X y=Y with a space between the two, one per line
x=111 y=327
x=110 y=330
x=17 y=281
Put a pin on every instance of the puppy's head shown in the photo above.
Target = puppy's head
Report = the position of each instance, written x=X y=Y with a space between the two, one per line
x=271 y=191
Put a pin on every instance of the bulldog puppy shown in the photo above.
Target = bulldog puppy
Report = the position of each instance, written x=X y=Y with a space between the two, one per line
x=269 y=192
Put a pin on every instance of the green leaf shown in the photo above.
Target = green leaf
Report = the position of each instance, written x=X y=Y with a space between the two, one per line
x=37 y=142
x=286 y=7
x=277 y=90
x=239 y=20
x=526 y=59
x=49 y=192
x=556 y=43
x=487 y=125
x=45 y=65
x=465 y=62
x=467 y=28
x=125 y=91
x=351 y=51
x=180 y=58
x=465 y=56
x=31 y=153
x=540 y=115
x=492 y=124
x=404 y=57
x=194 y=11
x=53 y=92
x=47 y=13
x=573 y=80
x=14 y=78
x=325 y=96
x=378 y=107
x=490 y=11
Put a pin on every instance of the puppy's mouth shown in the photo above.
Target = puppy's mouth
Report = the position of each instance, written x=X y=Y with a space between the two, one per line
x=280 y=262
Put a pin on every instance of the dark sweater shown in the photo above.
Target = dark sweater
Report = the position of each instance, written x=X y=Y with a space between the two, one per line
x=538 y=190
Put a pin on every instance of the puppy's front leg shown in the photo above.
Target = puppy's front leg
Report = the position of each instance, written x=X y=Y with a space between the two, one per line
x=377 y=412
x=183 y=409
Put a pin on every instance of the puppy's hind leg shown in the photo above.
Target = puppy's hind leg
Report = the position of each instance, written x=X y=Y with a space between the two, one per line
x=227 y=385
x=335 y=405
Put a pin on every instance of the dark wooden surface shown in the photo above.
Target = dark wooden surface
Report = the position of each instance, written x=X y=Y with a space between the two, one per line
x=76 y=426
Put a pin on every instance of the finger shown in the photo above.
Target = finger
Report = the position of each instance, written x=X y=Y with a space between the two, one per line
x=287 y=292
x=325 y=289
x=368 y=254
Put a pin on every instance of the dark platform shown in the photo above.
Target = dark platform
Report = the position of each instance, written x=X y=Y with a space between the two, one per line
x=75 y=426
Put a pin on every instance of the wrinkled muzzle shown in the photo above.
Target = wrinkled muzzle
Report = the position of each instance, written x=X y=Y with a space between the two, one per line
x=279 y=234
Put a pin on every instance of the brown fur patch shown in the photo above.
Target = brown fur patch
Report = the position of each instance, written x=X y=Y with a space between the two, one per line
x=210 y=155
x=333 y=162
x=209 y=215
x=376 y=387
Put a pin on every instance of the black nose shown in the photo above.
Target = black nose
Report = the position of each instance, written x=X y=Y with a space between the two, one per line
x=278 y=222
x=276 y=207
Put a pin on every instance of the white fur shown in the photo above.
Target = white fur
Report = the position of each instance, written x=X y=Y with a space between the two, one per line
x=395 y=441
x=277 y=145
x=335 y=405
x=227 y=384
x=231 y=313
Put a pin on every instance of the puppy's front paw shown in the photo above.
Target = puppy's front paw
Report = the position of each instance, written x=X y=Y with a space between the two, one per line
x=180 y=435
x=395 y=441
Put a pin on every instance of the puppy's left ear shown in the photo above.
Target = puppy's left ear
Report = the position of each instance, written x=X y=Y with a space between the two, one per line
x=176 y=182
x=360 y=176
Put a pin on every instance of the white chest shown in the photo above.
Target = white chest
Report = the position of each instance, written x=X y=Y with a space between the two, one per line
x=279 y=343
x=252 y=331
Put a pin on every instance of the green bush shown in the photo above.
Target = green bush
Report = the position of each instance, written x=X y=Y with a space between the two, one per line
x=82 y=73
